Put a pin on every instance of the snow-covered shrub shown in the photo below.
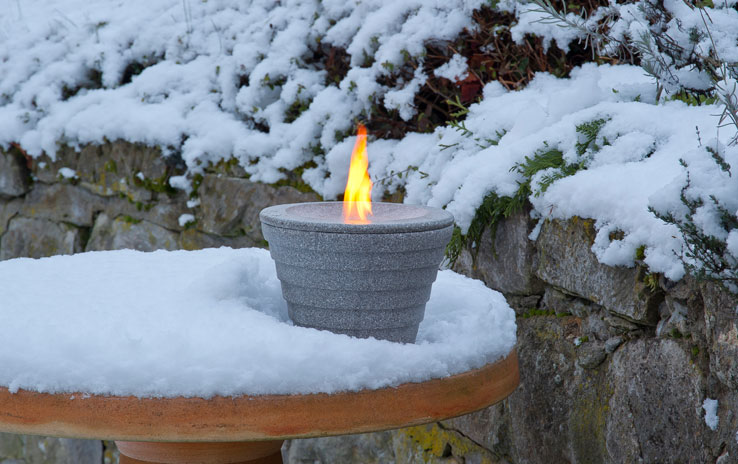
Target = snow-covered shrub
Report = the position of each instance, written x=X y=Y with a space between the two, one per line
x=274 y=85
x=691 y=50
x=537 y=173
x=708 y=218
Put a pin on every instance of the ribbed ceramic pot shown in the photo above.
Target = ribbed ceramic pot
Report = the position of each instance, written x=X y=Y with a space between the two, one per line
x=365 y=280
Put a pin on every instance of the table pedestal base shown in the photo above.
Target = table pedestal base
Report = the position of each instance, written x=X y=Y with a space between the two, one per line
x=253 y=452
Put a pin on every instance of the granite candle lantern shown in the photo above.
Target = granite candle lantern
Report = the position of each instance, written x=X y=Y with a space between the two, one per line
x=364 y=280
x=356 y=267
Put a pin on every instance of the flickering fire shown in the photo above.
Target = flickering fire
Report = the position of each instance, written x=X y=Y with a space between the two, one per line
x=357 y=198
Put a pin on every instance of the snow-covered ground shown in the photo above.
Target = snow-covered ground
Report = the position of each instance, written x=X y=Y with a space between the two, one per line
x=221 y=77
x=213 y=322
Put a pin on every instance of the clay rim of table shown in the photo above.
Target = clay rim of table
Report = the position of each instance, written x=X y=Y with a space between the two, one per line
x=254 y=418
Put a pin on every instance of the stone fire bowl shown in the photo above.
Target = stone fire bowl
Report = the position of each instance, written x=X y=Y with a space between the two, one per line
x=223 y=430
x=364 y=280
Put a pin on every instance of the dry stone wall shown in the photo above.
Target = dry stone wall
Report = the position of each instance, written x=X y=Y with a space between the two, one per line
x=615 y=362
x=118 y=196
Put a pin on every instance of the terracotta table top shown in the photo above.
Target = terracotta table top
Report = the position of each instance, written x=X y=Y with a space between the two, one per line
x=256 y=418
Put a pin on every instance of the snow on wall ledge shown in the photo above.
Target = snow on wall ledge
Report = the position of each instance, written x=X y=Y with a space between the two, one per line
x=206 y=79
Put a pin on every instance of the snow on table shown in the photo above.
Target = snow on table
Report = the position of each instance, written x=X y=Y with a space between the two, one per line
x=213 y=322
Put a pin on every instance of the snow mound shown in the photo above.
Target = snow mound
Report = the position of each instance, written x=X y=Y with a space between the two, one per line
x=213 y=322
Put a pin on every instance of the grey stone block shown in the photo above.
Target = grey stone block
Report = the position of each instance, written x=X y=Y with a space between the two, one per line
x=722 y=333
x=436 y=444
x=109 y=169
x=506 y=263
x=11 y=445
x=164 y=211
x=8 y=209
x=62 y=203
x=13 y=175
x=192 y=239
x=612 y=344
x=591 y=354
x=540 y=410
x=31 y=449
x=562 y=303
x=230 y=206
x=359 y=279
x=37 y=238
x=565 y=260
x=486 y=428
x=682 y=310
x=122 y=232
x=368 y=448
x=655 y=408
x=46 y=169
x=112 y=168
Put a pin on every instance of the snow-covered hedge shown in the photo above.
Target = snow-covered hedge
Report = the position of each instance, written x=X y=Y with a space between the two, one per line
x=690 y=50
x=208 y=79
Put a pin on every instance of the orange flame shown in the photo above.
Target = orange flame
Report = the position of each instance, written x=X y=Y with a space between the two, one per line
x=357 y=199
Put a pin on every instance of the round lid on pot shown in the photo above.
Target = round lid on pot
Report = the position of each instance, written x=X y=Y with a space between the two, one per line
x=327 y=216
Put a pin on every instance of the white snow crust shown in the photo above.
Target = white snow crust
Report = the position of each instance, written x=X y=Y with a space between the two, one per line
x=711 y=418
x=185 y=219
x=455 y=70
x=213 y=322
x=67 y=173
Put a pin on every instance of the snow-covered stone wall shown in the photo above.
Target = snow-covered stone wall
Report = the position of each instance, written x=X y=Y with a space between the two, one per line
x=258 y=86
